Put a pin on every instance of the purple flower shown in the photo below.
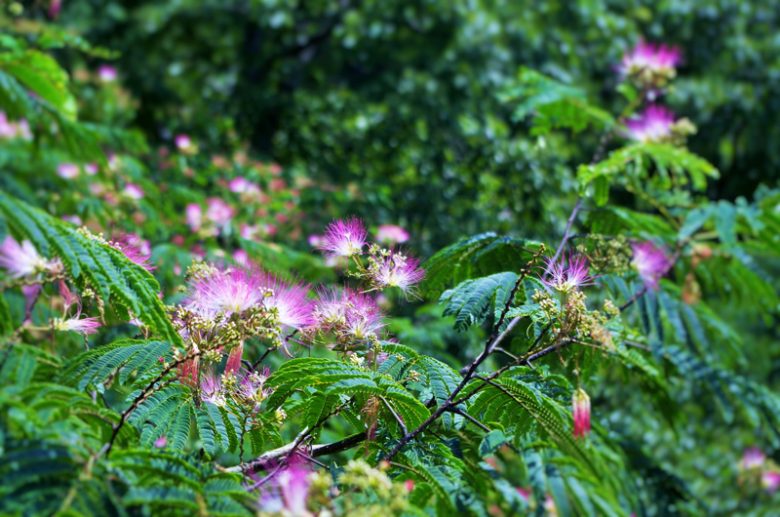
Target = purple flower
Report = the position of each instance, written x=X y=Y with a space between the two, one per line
x=68 y=171
x=651 y=261
x=161 y=442
x=241 y=185
x=183 y=142
x=219 y=212
x=226 y=292
x=655 y=124
x=134 y=248
x=395 y=270
x=391 y=234
x=133 y=191
x=290 y=301
x=211 y=389
x=344 y=238
x=567 y=274
x=752 y=458
x=289 y=493
x=770 y=480
x=194 y=216
x=107 y=73
x=23 y=260
x=350 y=315
x=647 y=57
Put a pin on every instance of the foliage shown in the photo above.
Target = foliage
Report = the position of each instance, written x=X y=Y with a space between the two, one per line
x=597 y=328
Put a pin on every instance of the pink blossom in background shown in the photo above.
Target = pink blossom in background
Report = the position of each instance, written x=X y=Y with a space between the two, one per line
x=218 y=211
x=73 y=219
x=277 y=184
x=68 y=171
x=770 y=480
x=10 y=129
x=133 y=191
x=211 y=389
x=275 y=169
x=651 y=261
x=247 y=231
x=647 y=56
x=161 y=442
x=177 y=240
x=241 y=185
x=654 y=124
x=581 y=413
x=315 y=241
x=391 y=234
x=55 y=6
x=567 y=274
x=91 y=169
x=183 y=142
x=194 y=216
x=344 y=238
x=241 y=257
x=107 y=73
x=752 y=458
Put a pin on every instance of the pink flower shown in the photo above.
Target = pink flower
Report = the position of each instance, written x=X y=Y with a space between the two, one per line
x=581 y=413
x=54 y=8
x=134 y=248
x=568 y=274
x=241 y=185
x=9 y=129
x=752 y=458
x=68 y=171
x=188 y=371
x=344 y=238
x=226 y=292
x=646 y=57
x=241 y=257
x=194 y=216
x=655 y=124
x=23 y=260
x=770 y=480
x=73 y=219
x=348 y=314
x=107 y=73
x=651 y=261
x=391 y=234
x=161 y=442
x=85 y=326
x=291 y=302
x=316 y=241
x=211 y=389
x=247 y=231
x=133 y=191
x=91 y=169
x=183 y=142
x=395 y=270
x=289 y=493
x=219 y=212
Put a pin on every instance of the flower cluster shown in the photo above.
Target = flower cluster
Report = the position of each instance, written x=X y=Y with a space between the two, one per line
x=657 y=124
x=755 y=470
x=352 y=318
x=651 y=262
x=649 y=65
x=11 y=130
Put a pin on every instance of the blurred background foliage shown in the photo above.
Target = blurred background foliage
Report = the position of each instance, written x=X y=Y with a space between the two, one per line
x=403 y=103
